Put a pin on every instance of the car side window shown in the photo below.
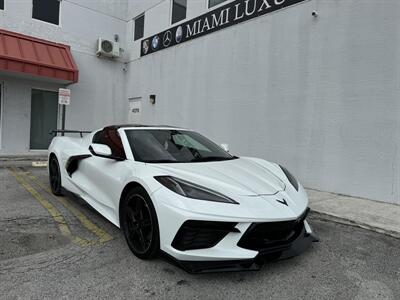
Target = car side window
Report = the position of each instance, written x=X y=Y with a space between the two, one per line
x=111 y=138
x=97 y=138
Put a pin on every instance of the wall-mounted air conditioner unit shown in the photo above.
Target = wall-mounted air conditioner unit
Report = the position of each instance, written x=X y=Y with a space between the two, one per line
x=107 y=48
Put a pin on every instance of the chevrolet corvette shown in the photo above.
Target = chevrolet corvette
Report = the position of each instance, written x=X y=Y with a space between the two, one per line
x=176 y=193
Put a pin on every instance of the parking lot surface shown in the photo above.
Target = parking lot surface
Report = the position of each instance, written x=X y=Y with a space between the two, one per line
x=59 y=247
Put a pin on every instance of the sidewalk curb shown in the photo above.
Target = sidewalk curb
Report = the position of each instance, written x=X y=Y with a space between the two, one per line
x=37 y=163
x=340 y=220
x=6 y=158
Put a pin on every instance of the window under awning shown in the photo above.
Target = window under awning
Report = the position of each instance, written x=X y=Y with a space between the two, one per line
x=26 y=55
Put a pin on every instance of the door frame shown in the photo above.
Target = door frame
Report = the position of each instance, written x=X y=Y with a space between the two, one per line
x=30 y=120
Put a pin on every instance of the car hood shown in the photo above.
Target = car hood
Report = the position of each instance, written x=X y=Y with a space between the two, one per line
x=241 y=176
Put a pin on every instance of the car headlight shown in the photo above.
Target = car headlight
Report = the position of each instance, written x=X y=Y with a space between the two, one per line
x=291 y=178
x=192 y=190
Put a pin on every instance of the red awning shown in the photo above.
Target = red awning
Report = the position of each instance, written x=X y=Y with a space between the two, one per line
x=32 y=56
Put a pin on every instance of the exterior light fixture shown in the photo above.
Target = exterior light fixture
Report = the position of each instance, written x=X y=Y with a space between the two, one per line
x=152 y=99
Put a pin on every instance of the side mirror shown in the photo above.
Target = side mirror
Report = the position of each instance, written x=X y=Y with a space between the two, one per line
x=225 y=147
x=100 y=150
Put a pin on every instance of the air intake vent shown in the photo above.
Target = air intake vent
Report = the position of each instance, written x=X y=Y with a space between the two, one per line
x=201 y=234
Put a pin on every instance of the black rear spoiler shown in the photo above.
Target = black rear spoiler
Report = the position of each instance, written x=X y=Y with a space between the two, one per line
x=56 y=132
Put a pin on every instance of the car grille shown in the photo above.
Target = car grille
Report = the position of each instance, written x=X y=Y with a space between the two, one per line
x=272 y=236
x=201 y=234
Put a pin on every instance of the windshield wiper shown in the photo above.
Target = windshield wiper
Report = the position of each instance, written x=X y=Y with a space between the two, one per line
x=211 y=158
x=160 y=161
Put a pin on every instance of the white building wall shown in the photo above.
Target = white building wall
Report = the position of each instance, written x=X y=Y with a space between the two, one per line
x=99 y=96
x=319 y=95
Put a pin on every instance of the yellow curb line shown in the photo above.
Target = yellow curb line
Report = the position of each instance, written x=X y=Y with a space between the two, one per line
x=101 y=234
x=62 y=224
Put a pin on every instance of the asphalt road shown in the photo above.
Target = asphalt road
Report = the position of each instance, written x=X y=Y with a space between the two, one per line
x=60 y=248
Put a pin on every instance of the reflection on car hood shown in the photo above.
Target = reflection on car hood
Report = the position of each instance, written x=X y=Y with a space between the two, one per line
x=242 y=176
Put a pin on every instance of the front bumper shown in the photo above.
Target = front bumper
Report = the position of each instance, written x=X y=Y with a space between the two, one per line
x=296 y=247
x=193 y=221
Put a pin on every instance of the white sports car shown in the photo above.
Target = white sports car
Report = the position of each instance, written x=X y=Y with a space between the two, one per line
x=173 y=191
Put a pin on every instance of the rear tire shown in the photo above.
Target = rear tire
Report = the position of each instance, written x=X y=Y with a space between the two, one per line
x=139 y=223
x=55 y=176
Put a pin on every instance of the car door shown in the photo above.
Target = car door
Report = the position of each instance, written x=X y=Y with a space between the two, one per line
x=100 y=178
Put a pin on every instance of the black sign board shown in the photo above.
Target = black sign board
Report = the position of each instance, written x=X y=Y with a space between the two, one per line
x=230 y=14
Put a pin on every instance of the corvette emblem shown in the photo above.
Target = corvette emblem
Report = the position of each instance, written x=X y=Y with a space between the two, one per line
x=167 y=38
x=283 y=201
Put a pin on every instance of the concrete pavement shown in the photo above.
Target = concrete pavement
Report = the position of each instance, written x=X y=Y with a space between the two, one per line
x=373 y=215
x=41 y=259
x=58 y=247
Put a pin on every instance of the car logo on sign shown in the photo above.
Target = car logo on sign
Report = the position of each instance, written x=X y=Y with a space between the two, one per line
x=167 y=38
x=283 y=201
x=155 y=42
x=179 y=34
x=145 y=46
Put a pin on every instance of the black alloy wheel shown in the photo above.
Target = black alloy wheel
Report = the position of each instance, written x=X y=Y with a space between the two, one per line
x=55 y=176
x=139 y=224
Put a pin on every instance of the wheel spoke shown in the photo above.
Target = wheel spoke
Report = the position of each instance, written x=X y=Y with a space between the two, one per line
x=131 y=222
x=132 y=234
x=131 y=214
x=141 y=239
x=145 y=223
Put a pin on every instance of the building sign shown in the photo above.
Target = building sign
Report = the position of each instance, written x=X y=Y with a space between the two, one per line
x=64 y=96
x=230 y=14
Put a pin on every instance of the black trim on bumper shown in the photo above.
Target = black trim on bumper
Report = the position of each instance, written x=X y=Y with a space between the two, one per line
x=299 y=245
x=201 y=234
x=199 y=267
x=273 y=237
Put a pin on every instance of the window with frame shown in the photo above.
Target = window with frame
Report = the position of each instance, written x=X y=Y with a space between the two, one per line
x=2 y=4
x=212 y=3
x=178 y=10
x=109 y=136
x=46 y=10
x=139 y=28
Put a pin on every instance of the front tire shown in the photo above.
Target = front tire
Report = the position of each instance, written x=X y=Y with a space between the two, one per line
x=139 y=223
x=55 y=176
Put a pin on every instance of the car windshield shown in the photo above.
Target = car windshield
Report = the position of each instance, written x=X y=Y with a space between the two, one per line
x=173 y=146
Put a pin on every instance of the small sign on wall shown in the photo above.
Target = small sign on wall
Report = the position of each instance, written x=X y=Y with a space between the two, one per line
x=135 y=114
x=64 y=96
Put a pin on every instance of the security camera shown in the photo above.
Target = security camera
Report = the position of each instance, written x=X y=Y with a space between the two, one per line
x=314 y=14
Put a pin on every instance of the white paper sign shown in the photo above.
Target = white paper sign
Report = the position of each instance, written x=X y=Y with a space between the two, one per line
x=64 y=96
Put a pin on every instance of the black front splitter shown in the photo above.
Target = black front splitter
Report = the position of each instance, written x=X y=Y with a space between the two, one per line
x=297 y=247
